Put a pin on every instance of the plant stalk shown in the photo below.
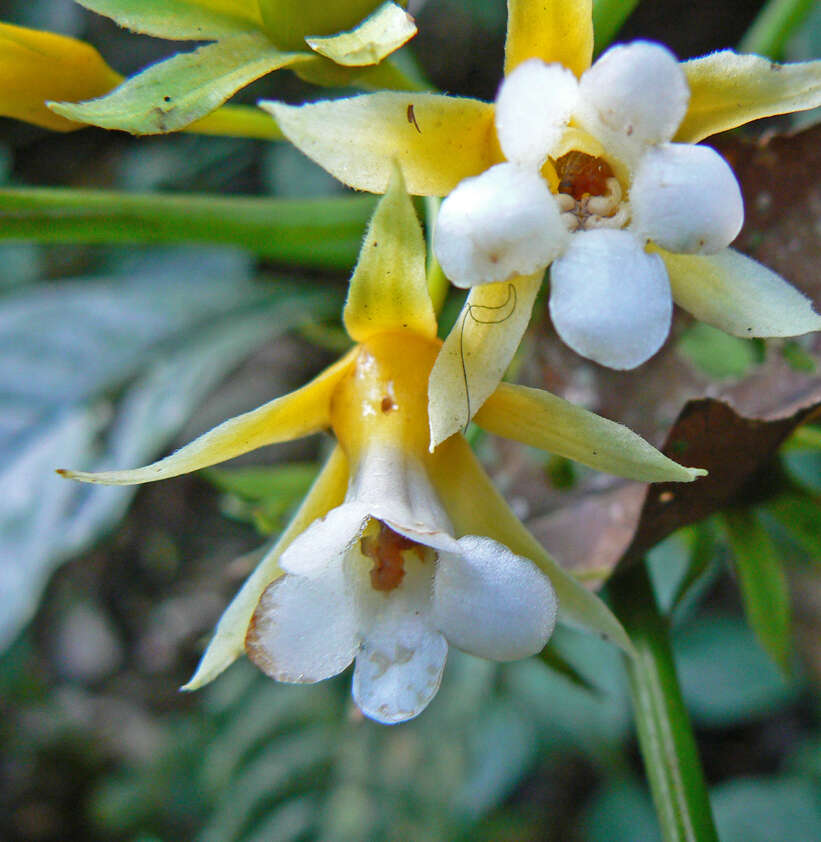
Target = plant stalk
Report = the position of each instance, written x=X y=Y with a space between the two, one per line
x=663 y=725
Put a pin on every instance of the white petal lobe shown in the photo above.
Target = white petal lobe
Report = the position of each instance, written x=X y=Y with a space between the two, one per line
x=635 y=94
x=686 y=199
x=609 y=300
x=303 y=630
x=492 y=603
x=533 y=106
x=501 y=223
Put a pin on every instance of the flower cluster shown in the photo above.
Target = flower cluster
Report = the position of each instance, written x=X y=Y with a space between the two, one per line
x=593 y=171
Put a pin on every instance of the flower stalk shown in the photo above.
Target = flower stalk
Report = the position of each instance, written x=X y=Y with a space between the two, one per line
x=663 y=725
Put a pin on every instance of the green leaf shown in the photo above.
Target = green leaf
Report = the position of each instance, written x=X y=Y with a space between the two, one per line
x=763 y=584
x=773 y=26
x=67 y=350
x=717 y=353
x=324 y=233
x=726 y=678
x=608 y=17
x=172 y=94
x=801 y=517
x=181 y=20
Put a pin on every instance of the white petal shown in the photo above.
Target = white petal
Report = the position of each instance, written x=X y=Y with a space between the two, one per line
x=609 y=300
x=635 y=94
x=501 y=223
x=323 y=545
x=304 y=630
x=533 y=106
x=399 y=667
x=492 y=603
x=686 y=199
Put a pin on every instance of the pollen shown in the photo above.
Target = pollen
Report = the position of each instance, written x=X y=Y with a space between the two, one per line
x=386 y=548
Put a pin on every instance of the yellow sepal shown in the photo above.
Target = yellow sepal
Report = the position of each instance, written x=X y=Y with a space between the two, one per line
x=389 y=290
x=38 y=66
x=552 y=30
x=300 y=413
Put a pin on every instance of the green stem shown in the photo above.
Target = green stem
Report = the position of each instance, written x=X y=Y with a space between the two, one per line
x=608 y=17
x=663 y=725
x=318 y=233
x=438 y=285
x=773 y=26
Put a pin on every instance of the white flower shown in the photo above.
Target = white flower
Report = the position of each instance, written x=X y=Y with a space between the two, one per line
x=621 y=184
x=380 y=580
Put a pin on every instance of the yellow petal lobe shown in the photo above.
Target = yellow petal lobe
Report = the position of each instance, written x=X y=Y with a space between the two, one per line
x=728 y=90
x=437 y=140
x=39 y=66
x=552 y=30
x=389 y=290
x=228 y=641
x=300 y=413
x=539 y=419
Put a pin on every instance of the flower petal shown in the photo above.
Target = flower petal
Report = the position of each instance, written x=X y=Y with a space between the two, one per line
x=739 y=295
x=237 y=121
x=686 y=199
x=290 y=417
x=728 y=90
x=533 y=107
x=182 y=20
x=304 y=630
x=475 y=507
x=228 y=640
x=477 y=352
x=170 y=95
x=610 y=301
x=37 y=66
x=389 y=288
x=559 y=31
x=437 y=140
x=539 y=419
x=399 y=667
x=492 y=603
x=499 y=224
x=380 y=34
x=635 y=94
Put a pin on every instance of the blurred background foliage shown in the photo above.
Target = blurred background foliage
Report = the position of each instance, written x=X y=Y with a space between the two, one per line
x=109 y=354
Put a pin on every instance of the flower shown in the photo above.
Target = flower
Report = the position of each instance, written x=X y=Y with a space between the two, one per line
x=397 y=549
x=553 y=103
x=38 y=66
x=250 y=39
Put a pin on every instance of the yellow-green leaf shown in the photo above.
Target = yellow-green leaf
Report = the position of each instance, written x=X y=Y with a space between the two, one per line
x=171 y=95
x=385 y=31
x=181 y=20
x=389 y=290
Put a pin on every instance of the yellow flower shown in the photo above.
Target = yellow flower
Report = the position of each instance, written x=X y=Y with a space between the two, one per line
x=570 y=145
x=250 y=38
x=398 y=551
x=37 y=67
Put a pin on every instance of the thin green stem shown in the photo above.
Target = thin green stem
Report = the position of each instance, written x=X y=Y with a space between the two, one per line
x=775 y=23
x=317 y=233
x=664 y=730
x=608 y=17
